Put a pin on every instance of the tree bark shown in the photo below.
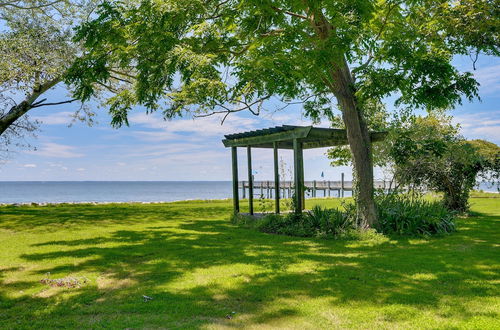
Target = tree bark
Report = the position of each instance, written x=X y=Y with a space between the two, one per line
x=26 y=105
x=339 y=80
x=359 y=140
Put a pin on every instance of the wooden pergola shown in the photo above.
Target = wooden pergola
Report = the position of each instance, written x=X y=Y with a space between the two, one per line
x=297 y=138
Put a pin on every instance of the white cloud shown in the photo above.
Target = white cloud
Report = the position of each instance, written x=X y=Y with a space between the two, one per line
x=288 y=118
x=482 y=125
x=59 y=166
x=50 y=149
x=29 y=165
x=489 y=78
x=198 y=127
x=156 y=136
x=59 y=118
x=80 y=169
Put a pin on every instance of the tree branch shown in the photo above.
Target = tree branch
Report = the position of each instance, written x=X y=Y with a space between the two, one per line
x=15 y=5
x=40 y=104
x=227 y=111
x=279 y=10
x=382 y=28
x=17 y=111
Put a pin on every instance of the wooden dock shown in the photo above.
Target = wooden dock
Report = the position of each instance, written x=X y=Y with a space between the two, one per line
x=317 y=188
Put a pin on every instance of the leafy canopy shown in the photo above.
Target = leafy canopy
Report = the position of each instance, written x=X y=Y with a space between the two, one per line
x=428 y=152
x=35 y=50
x=229 y=55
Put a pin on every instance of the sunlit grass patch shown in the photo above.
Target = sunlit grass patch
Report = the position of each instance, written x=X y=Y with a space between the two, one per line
x=197 y=270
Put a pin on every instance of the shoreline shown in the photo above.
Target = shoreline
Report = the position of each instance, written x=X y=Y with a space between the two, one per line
x=107 y=203
x=185 y=200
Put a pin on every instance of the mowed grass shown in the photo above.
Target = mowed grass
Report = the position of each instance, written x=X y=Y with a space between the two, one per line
x=203 y=272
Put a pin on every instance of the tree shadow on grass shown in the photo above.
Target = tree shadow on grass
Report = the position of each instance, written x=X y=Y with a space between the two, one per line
x=199 y=272
x=51 y=217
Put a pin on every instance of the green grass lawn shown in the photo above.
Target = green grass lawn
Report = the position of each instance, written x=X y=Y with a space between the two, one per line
x=203 y=272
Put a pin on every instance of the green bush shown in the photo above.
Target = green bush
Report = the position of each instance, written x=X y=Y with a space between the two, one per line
x=330 y=222
x=404 y=214
x=291 y=224
x=319 y=222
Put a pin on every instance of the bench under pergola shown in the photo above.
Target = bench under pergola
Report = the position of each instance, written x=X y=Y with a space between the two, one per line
x=290 y=137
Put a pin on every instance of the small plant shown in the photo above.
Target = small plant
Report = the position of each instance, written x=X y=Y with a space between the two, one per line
x=264 y=204
x=286 y=204
x=242 y=220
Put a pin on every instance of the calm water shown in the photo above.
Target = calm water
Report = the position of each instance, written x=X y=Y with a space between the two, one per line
x=111 y=191
x=118 y=191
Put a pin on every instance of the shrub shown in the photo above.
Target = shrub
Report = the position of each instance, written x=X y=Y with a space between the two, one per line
x=330 y=222
x=319 y=222
x=404 y=214
x=429 y=153
x=291 y=224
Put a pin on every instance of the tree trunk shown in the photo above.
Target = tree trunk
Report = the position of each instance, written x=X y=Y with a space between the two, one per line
x=339 y=80
x=359 y=143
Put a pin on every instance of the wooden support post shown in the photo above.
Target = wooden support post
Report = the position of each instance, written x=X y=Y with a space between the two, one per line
x=250 y=181
x=342 y=185
x=303 y=189
x=276 y=180
x=243 y=190
x=329 y=187
x=314 y=189
x=297 y=166
x=236 y=200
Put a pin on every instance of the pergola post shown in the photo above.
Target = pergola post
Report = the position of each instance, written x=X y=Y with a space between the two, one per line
x=342 y=185
x=302 y=184
x=236 y=200
x=298 y=175
x=250 y=181
x=276 y=180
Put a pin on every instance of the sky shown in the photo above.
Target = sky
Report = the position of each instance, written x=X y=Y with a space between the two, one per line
x=187 y=149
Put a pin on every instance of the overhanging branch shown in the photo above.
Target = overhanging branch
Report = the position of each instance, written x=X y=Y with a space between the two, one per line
x=246 y=106
x=40 y=104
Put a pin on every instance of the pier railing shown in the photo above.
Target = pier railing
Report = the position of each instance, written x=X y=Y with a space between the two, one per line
x=325 y=187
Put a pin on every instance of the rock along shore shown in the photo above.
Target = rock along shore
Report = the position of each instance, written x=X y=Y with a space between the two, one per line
x=104 y=203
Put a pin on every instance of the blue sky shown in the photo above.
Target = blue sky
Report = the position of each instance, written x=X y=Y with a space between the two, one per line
x=187 y=149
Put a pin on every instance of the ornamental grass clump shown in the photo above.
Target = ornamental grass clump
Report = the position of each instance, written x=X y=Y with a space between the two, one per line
x=331 y=222
x=319 y=222
x=405 y=214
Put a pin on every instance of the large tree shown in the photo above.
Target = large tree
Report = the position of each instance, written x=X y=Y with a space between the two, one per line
x=36 y=49
x=223 y=56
